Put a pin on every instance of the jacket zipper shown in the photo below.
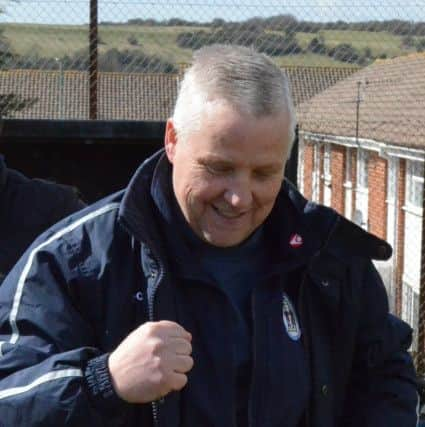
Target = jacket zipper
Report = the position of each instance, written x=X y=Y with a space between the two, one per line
x=155 y=407
x=251 y=412
x=158 y=277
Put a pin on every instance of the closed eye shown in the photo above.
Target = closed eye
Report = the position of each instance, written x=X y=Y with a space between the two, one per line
x=266 y=173
x=218 y=168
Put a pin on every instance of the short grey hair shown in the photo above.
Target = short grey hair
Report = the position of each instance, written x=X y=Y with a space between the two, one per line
x=246 y=79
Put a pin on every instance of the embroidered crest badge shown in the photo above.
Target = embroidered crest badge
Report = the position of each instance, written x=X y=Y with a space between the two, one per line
x=290 y=319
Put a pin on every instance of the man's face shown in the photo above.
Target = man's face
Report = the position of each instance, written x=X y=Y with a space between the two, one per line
x=227 y=174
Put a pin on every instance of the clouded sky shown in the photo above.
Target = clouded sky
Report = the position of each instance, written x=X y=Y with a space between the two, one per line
x=77 y=11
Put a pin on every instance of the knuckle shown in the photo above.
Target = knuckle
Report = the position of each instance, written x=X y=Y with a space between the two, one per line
x=157 y=364
x=158 y=379
x=157 y=346
x=154 y=327
x=147 y=325
x=148 y=329
x=165 y=324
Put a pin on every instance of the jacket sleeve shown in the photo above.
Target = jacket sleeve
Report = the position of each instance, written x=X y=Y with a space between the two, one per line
x=67 y=200
x=382 y=390
x=51 y=373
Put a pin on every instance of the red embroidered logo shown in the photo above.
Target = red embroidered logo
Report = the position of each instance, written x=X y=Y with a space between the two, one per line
x=296 y=241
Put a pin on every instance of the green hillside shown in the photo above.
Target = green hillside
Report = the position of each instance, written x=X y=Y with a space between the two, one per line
x=57 y=41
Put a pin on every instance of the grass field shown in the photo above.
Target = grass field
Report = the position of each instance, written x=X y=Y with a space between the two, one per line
x=57 y=41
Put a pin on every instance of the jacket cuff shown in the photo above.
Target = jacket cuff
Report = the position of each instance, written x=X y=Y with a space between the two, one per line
x=101 y=389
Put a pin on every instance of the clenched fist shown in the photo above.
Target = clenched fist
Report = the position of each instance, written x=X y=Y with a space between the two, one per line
x=151 y=362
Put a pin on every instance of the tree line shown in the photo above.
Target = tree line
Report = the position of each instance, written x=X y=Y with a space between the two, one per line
x=276 y=44
x=113 y=60
x=289 y=23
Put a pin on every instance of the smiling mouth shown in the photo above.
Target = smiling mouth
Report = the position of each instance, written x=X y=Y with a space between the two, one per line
x=228 y=215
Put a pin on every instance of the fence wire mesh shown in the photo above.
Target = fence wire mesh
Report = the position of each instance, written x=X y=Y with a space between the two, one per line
x=357 y=71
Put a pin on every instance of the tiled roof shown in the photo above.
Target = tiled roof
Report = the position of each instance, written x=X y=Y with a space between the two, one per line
x=66 y=95
x=391 y=107
x=307 y=82
x=125 y=96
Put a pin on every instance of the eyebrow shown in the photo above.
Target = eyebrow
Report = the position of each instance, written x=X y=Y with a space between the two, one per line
x=224 y=162
x=272 y=167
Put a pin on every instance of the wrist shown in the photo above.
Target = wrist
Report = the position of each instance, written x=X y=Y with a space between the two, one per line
x=100 y=384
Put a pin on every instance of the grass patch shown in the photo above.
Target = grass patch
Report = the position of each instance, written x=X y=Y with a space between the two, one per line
x=57 y=41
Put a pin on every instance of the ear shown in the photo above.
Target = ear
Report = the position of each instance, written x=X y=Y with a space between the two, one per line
x=170 y=140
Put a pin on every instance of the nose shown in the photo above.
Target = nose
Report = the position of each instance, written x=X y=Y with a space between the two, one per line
x=239 y=194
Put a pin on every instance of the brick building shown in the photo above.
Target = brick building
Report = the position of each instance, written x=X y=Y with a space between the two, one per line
x=362 y=151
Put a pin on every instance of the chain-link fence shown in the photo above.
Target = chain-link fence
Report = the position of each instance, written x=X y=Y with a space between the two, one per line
x=357 y=72
x=45 y=44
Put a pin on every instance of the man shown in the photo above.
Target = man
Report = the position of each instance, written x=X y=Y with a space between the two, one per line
x=209 y=292
x=27 y=208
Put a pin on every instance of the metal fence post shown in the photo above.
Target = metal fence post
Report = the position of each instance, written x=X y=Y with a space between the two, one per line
x=93 y=66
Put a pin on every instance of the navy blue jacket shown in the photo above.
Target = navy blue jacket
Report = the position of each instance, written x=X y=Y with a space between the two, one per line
x=27 y=208
x=92 y=278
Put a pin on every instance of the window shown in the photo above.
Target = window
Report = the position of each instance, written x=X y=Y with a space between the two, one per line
x=327 y=162
x=410 y=310
x=348 y=184
x=316 y=173
x=362 y=172
x=301 y=165
x=415 y=183
x=360 y=215
x=327 y=191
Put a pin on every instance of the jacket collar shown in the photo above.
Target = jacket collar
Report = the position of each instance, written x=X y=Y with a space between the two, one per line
x=138 y=214
x=321 y=229
x=335 y=232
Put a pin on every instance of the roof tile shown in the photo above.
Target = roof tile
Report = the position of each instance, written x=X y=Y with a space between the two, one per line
x=130 y=96
x=391 y=106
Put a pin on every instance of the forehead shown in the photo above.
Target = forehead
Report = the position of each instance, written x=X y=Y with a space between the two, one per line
x=228 y=132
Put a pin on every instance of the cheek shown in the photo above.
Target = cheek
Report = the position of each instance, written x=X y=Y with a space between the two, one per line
x=198 y=191
x=207 y=189
x=266 y=194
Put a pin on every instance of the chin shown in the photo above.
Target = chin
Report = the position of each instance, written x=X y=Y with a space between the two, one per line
x=223 y=242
